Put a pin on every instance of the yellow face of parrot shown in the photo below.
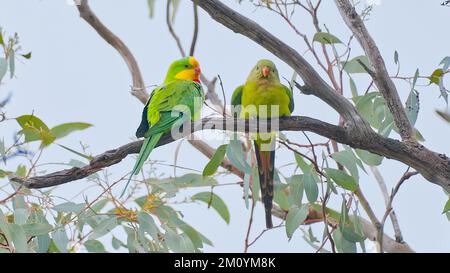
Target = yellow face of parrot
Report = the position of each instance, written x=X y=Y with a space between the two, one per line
x=189 y=69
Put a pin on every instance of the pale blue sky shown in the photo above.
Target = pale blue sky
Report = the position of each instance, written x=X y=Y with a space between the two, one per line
x=75 y=76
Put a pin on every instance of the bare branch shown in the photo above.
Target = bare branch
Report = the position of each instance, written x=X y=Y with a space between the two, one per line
x=380 y=74
x=382 y=184
x=394 y=149
x=195 y=36
x=138 y=83
x=172 y=31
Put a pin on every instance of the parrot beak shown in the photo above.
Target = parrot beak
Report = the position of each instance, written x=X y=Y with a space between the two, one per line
x=198 y=71
x=265 y=71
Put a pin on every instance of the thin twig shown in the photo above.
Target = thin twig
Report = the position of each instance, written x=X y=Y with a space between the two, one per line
x=172 y=31
x=195 y=36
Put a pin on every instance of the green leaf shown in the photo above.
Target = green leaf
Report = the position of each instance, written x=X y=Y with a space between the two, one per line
x=94 y=246
x=88 y=157
x=353 y=66
x=296 y=187
x=353 y=88
x=12 y=63
x=194 y=180
x=255 y=186
x=19 y=238
x=27 y=56
x=311 y=187
x=60 y=239
x=436 y=76
x=3 y=68
x=69 y=207
x=65 y=129
x=280 y=196
x=236 y=155
x=193 y=234
x=412 y=106
x=43 y=243
x=215 y=161
x=215 y=202
x=103 y=228
x=35 y=129
x=326 y=38
x=369 y=158
x=147 y=224
x=4 y=226
x=347 y=228
x=21 y=216
x=347 y=159
x=446 y=63
x=342 y=244
x=116 y=243
x=151 y=8
x=37 y=229
x=302 y=164
x=175 y=5
x=342 y=179
x=2 y=41
x=295 y=217
x=444 y=115
x=446 y=207
x=2 y=149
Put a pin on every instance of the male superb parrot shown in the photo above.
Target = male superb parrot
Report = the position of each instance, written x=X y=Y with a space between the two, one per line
x=261 y=94
x=179 y=98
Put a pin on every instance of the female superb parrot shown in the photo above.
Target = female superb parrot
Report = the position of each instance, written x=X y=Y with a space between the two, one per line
x=263 y=96
x=178 y=99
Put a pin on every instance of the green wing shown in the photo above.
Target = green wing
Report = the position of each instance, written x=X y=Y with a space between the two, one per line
x=236 y=99
x=169 y=103
x=144 y=126
x=291 y=98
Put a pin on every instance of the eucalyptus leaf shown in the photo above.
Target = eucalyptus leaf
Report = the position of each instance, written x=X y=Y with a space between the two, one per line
x=103 y=228
x=326 y=38
x=295 y=217
x=60 y=239
x=69 y=207
x=354 y=66
x=19 y=238
x=94 y=246
x=214 y=201
x=65 y=129
x=3 y=68
x=446 y=207
x=369 y=158
x=215 y=161
x=37 y=229
x=342 y=179
x=147 y=224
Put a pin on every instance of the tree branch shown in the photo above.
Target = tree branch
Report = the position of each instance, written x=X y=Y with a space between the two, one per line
x=382 y=184
x=358 y=133
x=380 y=74
x=138 y=83
x=314 y=83
x=375 y=143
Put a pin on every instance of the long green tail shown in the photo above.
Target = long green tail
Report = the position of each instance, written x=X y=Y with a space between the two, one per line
x=266 y=171
x=147 y=147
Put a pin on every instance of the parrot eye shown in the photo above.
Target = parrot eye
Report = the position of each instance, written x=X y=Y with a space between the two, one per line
x=186 y=66
x=257 y=68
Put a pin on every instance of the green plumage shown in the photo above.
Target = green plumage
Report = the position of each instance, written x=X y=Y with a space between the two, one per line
x=261 y=91
x=176 y=101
